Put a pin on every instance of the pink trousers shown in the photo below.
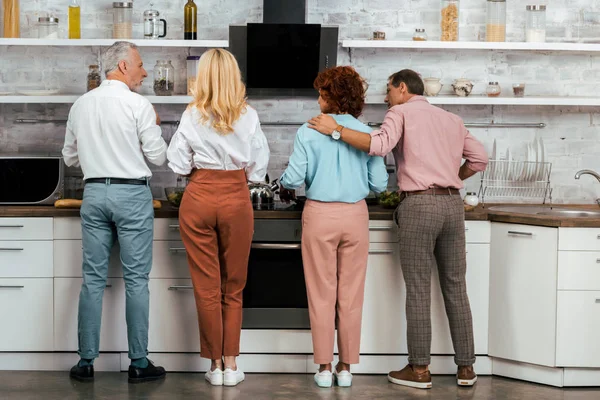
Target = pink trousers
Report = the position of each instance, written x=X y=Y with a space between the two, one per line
x=335 y=248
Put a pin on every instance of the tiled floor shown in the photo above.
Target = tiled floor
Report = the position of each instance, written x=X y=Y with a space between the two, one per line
x=112 y=385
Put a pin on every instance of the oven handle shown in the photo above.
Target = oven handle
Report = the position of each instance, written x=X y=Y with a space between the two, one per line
x=277 y=246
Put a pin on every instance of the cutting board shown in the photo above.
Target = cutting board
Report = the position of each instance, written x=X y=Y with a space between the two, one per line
x=72 y=203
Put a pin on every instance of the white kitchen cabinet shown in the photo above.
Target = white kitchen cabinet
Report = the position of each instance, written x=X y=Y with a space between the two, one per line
x=523 y=292
x=26 y=229
x=577 y=327
x=26 y=259
x=67 y=228
x=173 y=317
x=169 y=260
x=579 y=239
x=382 y=232
x=578 y=270
x=113 y=332
x=68 y=259
x=26 y=314
x=166 y=229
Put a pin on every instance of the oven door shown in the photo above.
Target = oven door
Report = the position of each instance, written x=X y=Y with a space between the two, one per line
x=275 y=293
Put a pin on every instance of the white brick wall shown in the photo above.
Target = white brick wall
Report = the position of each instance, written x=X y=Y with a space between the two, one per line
x=571 y=135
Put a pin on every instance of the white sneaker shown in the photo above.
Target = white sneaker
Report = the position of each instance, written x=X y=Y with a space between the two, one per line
x=324 y=378
x=214 y=377
x=232 y=378
x=343 y=378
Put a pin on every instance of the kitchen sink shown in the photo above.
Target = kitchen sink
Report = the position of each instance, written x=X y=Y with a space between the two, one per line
x=548 y=211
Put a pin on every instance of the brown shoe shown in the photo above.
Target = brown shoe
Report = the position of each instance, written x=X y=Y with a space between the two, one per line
x=466 y=376
x=409 y=377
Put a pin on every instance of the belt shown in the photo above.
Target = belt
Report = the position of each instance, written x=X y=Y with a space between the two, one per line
x=431 y=191
x=118 y=181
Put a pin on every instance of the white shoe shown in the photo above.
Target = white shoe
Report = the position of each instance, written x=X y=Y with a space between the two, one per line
x=232 y=378
x=214 y=377
x=343 y=378
x=324 y=378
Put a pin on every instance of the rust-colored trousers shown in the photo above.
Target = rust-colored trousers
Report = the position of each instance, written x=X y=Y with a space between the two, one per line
x=217 y=224
x=335 y=249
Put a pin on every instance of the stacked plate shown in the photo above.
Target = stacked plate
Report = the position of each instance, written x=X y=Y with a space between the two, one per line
x=528 y=163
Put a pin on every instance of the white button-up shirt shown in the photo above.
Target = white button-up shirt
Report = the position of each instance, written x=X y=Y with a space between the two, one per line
x=110 y=130
x=199 y=146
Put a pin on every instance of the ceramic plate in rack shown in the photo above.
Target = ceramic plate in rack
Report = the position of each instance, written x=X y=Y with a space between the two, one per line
x=39 y=92
x=493 y=157
x=528 y=166
x=509 y=165
x=543 y=159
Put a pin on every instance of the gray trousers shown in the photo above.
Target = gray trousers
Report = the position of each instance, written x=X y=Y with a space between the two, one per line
x=431 y=234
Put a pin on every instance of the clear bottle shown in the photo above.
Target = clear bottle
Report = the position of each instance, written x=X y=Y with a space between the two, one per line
x=164 y=78
x=450 y=20
x=47 y=28
x=493 y=89
x=122 y=20
x=192 y=73
x=190 y=18
x=495 y=28
x=93 y=79
x=535 y=30
x=419 y=35
x=74 y=20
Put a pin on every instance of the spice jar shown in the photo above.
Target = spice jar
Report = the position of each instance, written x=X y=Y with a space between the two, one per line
x=535 y=30
x=495 y=28
x=93 y=79
x=164 y=78
x=122 y=20
x=493 y=89
x=449 y=24
x=378 y=35
x=420 y=35
x=192 y=73
x=519 y=89
x=47 y=28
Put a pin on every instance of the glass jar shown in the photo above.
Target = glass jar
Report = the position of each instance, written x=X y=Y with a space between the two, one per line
x=47 y=28
x=493 y=89
x=152 y=23
x=495 y=28
x=450 y=18
x=93 y=79
x=535 y=30
x=11 y=16
x=420 y=35
x=122 y=20
x=192 y=73
x=164 y=78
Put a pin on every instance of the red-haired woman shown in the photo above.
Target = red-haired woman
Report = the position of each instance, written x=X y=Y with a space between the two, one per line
x=335 y=221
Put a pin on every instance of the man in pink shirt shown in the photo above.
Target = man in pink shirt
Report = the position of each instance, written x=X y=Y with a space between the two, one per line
x=429 y=145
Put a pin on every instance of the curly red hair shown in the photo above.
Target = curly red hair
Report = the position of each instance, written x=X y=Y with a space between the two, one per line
x=343 y=89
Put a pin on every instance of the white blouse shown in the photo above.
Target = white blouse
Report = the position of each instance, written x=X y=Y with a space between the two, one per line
x=199 y=146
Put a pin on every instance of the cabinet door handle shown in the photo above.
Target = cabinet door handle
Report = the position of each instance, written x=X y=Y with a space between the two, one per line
x=108 y=286
x=174 y=227
x=12 y=226
x=11 y=249
x=517 y=233
x=177 y=249
x=466 y=229
x=177 y=287
x=597 y=301
x=380 y=228
x=276 y=246
x=381 y=251
x=12 y=287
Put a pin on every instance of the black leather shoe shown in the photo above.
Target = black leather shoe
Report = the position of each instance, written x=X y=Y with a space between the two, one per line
x=150 y=373
x=82 y=374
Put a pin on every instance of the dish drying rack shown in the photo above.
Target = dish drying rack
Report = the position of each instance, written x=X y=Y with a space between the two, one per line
x=511 y=179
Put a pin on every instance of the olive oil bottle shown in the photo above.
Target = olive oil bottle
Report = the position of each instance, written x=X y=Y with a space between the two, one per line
x=74 y=20
x=190 y=18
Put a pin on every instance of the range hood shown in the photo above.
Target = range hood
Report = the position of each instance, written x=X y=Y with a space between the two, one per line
x=284 y=11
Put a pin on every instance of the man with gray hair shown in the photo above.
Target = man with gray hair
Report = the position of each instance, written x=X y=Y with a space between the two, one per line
x=109 y=131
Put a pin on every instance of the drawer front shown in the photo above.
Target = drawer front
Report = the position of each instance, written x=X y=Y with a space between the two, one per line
x=578 y=270
x=478 y=231
x=68 y=258
x=169 y=260
x=578 y=324
x=27 y=324
x=166 y=229
x=383 y=232
x=579 y=239
x=26 y=259
x=26 y=229
x=67 y=228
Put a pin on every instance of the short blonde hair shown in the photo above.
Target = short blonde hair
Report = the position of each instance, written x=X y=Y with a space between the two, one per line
x=219 y=94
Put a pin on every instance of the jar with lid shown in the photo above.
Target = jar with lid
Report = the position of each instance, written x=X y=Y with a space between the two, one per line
x=47 y=28
x=495 y=27
x=471 y=199
x=12 y=18
x=93 y=79
x=192 y=73
x=493 y=89
x=164 y=78
x=535 y=30
x=152 y=23
x=420 y=35
x=450 y=19
x=122 y=20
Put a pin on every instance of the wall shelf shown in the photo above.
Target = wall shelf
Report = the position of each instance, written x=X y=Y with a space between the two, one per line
x=109 y=42
x=437 y=45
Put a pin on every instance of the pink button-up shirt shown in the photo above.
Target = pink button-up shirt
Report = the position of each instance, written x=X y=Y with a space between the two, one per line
x=428 y=144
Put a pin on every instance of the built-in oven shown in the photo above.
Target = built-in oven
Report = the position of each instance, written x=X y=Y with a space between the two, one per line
x=275 y=293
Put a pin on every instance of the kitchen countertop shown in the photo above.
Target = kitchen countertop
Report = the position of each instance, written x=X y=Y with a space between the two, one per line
x=376 y=212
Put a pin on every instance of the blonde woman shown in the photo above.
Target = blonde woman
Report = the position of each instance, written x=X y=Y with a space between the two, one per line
x=220 y=143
